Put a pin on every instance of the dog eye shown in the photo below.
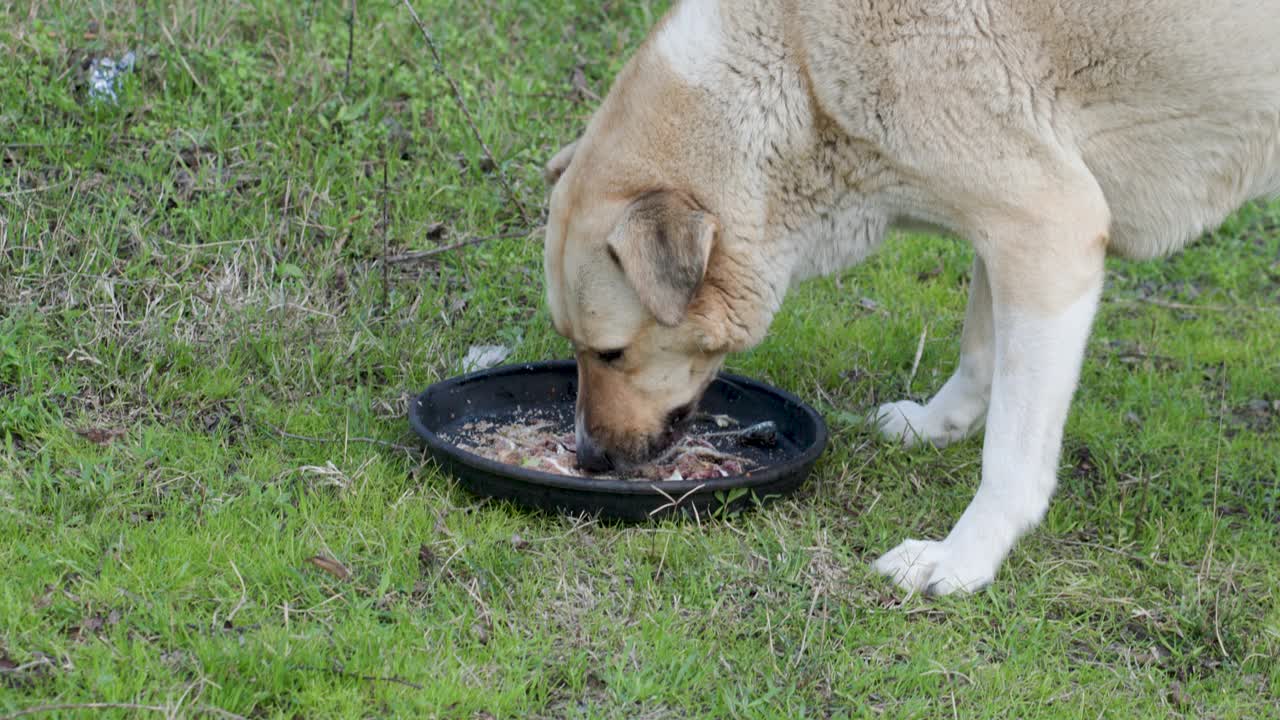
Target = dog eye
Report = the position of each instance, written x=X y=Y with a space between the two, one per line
x=609 y=355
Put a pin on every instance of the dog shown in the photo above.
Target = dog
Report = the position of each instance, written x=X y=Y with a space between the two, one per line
x=750 y=144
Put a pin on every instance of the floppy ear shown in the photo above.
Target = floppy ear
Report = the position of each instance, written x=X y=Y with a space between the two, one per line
x=559 y=163
x=663 y=243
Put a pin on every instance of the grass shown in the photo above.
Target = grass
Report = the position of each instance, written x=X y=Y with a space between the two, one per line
x=191 y=273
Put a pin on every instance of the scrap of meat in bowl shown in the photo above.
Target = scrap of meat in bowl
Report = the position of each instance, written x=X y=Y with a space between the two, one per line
x=716 y=446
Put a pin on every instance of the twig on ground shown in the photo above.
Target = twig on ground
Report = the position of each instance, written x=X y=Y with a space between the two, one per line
x=371 y=441
x=27 y=191
x=1174 y=305
x=351 y=44
x=915 y=364
x=673 y=503
x=416 y=255
x=19 y=669
x=386 y=283
x=181 y=58
x=466 y=114
x=215 y=710
x=244 y=595
x=215 y=628
x=1206 y=565
x=808 y=619
x=60 y=707
x=358 y=676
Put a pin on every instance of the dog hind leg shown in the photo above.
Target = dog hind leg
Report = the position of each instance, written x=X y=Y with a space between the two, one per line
x=958 y=409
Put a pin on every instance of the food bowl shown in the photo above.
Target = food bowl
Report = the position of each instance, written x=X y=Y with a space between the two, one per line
x=547 y=390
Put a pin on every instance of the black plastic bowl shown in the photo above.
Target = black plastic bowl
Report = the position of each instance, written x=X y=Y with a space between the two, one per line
x=500 y=394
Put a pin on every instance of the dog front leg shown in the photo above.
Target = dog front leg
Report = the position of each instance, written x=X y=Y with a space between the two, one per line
x=959 y=407
x=1044 y=299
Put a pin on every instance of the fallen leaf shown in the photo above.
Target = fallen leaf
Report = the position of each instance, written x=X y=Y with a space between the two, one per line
x=101 y=436
x=176 y=659
x=44 y=599
x=426 y=558
x=20 y=677
x=931 y=273
x=1177 y=696
x=483 y=357
x=594 y=682
x=88 y=626
x=331 y=566
x=854 y=375
x=1257 y=414
x=580 y=88
x=518 y=542
x=185 y=184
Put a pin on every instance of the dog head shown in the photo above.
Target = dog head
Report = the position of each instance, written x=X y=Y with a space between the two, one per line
x=653 y=265
x=621 y=281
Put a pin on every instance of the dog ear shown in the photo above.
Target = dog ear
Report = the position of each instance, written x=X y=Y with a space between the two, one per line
x=662 y=244
x=559 y=163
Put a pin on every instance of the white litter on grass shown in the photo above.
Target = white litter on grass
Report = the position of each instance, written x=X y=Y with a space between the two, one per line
x=483 y=357
x=103 y=74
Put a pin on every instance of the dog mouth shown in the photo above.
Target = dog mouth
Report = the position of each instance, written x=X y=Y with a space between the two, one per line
x=675 y=427
x=629 y=453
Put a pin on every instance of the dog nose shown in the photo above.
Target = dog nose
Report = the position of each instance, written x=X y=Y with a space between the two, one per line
x=591 y=458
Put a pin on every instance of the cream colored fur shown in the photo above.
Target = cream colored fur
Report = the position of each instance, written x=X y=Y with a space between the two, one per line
x=1046 y=133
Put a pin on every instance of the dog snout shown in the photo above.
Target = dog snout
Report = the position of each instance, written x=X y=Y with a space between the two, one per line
x=591 y=457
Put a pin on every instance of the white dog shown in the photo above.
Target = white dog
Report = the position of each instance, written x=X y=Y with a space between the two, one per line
x=750 y=144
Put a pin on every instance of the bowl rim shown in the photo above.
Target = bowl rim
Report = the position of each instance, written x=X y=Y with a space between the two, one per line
x=674 y=489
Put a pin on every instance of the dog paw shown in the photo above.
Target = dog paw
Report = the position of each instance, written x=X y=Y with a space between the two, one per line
x=912 y=424
x=934 y=568
x=902 y=421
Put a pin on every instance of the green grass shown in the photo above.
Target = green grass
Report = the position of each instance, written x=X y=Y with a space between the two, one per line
x=198 y=267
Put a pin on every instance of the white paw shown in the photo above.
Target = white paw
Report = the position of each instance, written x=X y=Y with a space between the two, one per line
x=935 y=568
x=903 y=421
x=912 y=423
